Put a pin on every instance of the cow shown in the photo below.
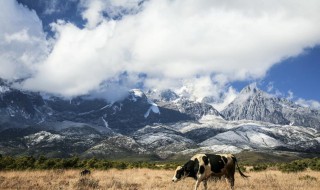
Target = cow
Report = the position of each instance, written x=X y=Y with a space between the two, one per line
x=85 y=172
x=203 y=166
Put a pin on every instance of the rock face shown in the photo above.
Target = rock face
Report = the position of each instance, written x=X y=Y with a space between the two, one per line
x=156 y=124
x=254 y=104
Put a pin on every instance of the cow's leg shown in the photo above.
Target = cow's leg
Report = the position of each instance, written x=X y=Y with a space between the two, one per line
x=200 y=178
x=197 y=184
x=231 y=181
x=205 y=184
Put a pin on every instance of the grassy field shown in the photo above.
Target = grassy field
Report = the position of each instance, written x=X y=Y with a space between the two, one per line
x=146 y=179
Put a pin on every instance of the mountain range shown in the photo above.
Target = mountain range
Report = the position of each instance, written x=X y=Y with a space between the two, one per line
x=159 y=124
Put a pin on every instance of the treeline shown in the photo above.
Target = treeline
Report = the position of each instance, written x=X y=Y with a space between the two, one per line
x=43 y=163
x=294 y=166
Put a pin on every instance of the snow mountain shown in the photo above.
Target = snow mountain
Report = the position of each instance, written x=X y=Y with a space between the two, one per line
x=157 y=124
x=254 y=104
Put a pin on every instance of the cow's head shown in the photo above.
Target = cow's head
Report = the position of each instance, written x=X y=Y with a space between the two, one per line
x=178 y=174
x=188 y=170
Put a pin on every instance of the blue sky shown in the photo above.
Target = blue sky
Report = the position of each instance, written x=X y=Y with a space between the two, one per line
x=202 y=48
x=299 y=74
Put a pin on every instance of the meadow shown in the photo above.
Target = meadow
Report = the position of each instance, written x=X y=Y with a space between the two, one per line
x=151 y=179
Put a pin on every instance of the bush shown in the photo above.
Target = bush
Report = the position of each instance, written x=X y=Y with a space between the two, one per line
x=242 y=168
x=308 y=178
x=295 y=166
x=25 y=162
x=120 y=165
x=259 y=167
x=87 y=183
x=315 y=164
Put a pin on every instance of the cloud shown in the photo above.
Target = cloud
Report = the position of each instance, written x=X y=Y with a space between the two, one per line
x=95 y=10
x=290 y=95
x=173 y=43
x=227 y=97
x=270 y=87
x=313 y=104
x=22 y=41
x=51 y=7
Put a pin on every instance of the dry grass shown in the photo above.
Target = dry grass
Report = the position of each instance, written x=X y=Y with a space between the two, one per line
x=146 y=179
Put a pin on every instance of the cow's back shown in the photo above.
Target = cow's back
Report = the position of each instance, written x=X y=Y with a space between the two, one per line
x=220 y=163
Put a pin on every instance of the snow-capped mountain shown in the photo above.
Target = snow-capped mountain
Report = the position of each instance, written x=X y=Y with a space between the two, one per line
x=170 y=100
x=254 y=104
x=236 y=136
x=156 y=123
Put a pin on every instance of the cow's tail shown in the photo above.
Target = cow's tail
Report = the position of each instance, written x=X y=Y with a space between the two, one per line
x=240 y=172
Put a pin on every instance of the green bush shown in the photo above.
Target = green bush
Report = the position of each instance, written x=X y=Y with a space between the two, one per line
x=295 y=166
x=308 y=178
x=25 y=162
x=315 y=164
x=259 y=167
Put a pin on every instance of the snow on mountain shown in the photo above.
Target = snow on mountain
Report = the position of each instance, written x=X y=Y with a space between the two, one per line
x=218 y=148
x=4 y=89
x=116 y=146
x=212 y=131
x=162 y=140
x=154 y=108
x=163 y=95
x=42 y=137
x=136 y=93
x=171 y=100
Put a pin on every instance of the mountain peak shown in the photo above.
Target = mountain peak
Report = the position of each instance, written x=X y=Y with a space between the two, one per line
x=255 y=104
x=251 y=88
x=137 y=95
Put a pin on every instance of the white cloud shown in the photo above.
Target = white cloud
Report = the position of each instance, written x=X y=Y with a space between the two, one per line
x=270 y=87
x=80 y=60
x=208 y=43
x=313 y=104
x=226 y=99
x=95 y=9
x=94 y=12
x=22 y=41
x=290 y=95
x=198 y=88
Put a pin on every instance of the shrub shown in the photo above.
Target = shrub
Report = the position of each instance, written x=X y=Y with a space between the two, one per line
x=25 y=162
x=293 y=167
x=259 y=167
x=315 y=164
x=121 y=165
x=87 y=183
x=308 y=178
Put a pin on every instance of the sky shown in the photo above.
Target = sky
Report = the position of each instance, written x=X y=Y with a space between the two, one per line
x=203 y=48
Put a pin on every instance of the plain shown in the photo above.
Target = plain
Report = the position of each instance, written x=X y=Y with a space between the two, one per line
x=148 y=179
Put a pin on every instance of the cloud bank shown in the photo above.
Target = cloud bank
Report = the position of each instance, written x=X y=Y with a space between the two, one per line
x=22 y=42
x=205 y=44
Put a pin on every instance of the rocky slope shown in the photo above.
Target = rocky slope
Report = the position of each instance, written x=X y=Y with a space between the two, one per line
x=254 y=104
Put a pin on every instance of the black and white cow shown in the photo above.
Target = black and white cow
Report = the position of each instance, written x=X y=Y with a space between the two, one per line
x=202 y=166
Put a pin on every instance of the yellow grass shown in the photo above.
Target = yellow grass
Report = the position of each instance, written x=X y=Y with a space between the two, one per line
x=146 y=179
